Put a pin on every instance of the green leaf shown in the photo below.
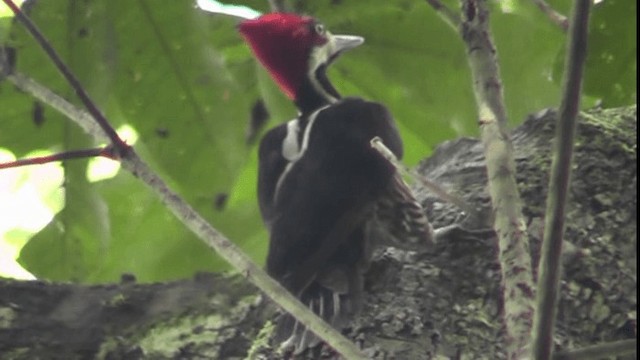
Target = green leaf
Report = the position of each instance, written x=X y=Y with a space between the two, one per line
x=69 y=247
x=527 y=44
x=146 y=239
x=611 y=67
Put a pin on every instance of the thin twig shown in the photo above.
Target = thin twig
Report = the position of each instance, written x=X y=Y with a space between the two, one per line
x=449 y=16
x=551 y=251
x=183 y=211
x=515 y=261
x=66 y=155
x=119 y=145
x=555 y=17
x=377 y=144
x=599 y=351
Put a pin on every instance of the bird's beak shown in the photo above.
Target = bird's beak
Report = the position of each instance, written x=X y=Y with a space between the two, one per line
x=345 y=42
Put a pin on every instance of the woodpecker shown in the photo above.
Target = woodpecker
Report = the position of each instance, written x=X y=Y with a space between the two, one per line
x=325 y=195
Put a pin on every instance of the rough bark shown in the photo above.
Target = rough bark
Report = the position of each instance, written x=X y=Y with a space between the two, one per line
x=444 y=303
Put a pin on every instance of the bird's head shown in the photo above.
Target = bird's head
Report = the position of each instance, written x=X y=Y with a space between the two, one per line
x=296 y=51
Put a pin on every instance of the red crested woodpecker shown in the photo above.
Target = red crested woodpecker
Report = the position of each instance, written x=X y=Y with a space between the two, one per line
x=326 y=196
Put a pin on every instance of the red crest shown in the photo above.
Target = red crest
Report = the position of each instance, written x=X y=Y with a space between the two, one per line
x=282 y=42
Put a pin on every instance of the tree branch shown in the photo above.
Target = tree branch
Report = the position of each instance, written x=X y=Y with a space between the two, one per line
x=552 y=14
x=240 y=261
x=551 y=251
x=517 y=280
x=595 y=352
x=46 y=96
x=66 y=155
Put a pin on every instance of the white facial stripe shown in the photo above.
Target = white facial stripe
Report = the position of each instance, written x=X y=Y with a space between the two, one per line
x=300 y=153
x=320 y=55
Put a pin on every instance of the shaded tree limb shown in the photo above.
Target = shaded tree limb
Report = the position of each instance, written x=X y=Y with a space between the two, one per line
x=549 y=268
x=515 y=261
x=615 y=348
x=178 y=206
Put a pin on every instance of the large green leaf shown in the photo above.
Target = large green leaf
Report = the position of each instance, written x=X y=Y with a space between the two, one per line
x=71 y=245
x=175 y=74
x=611 y=67
x=527 y=44
x=611 y=64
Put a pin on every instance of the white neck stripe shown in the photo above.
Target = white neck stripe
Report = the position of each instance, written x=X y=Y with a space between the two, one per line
x=290 y=145
x=318 y=57
x=294 y=157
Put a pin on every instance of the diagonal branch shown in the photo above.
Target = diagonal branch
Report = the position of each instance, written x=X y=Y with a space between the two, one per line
x=517 y=279
x=555 y=17
x=551 y=251
x=46 y=96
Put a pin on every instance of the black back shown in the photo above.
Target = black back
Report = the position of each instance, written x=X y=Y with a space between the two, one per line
x=339 y=174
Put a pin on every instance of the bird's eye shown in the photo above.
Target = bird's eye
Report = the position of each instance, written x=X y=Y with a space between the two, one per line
x=319 y=29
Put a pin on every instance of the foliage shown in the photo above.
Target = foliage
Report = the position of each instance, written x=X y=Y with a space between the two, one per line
x=185 y=81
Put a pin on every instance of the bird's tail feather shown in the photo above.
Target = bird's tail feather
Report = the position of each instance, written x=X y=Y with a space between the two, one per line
x=333 y=297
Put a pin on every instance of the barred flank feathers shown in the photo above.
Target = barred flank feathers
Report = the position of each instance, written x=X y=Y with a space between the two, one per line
x=399 y=220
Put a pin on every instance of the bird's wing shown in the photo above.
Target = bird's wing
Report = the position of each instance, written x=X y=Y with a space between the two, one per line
x=271 y=165
x=399 y=220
